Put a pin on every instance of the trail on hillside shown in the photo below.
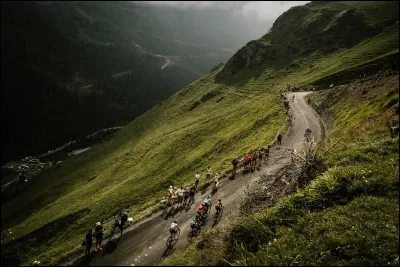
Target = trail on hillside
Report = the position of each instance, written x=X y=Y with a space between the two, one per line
x=145 y=242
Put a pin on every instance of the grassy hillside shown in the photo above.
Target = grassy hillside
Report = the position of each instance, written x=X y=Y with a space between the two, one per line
x=164 y=146
x=207 y=123
x=347 y=215
x=318 y=29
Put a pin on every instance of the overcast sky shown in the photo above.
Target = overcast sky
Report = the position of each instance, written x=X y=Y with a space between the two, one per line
x=263 y=10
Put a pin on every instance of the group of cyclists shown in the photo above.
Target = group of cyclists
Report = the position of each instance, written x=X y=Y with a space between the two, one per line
x=200 y=218
x=252 y=160
x=184 y=196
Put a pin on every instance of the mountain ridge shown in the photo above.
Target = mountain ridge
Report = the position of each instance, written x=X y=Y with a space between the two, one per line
x=167 y=144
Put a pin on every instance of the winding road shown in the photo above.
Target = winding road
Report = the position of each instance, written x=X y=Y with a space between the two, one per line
x=145 y=242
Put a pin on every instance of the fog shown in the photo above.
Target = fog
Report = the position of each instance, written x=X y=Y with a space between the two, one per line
x=266 y=11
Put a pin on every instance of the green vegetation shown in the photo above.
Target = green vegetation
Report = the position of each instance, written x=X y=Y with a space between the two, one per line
x=327 y=30
x=348 y=215
x=168 y=143
x=164 y=146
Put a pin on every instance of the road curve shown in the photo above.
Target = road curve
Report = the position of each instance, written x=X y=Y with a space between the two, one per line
x=145 y=243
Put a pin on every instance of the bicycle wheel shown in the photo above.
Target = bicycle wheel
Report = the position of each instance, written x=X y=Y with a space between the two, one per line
x=169 y=241
x=216 y=215
x=190 y=235
x=220 y=213
x=177 y=234
x=203 y=221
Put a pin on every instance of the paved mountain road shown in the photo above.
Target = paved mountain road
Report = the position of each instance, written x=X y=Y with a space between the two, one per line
x=145 y=243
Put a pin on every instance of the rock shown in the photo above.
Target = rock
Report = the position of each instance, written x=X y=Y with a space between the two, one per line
x=254 y=53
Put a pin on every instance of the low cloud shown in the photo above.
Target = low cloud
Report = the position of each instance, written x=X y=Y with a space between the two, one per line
x=262 y=10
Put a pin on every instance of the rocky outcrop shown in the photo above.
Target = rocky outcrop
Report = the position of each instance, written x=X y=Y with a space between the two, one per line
x=254 y=53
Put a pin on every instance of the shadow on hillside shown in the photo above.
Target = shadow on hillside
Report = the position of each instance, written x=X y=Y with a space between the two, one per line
x=354 y=73
x=26 y=244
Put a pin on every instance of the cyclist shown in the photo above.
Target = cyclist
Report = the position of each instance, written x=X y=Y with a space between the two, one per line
x=174 y=227
x=200 y=210
x=201 y=213
x=218 y=206
x=207 y=202
x=195 y=223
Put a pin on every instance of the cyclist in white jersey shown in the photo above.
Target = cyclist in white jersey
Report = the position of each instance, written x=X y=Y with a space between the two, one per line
x=174 y=227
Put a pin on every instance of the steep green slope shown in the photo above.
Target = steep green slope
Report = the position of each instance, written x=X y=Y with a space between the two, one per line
x=207 y=123
x=349 y=214
x=314 y=30
x=164 y=146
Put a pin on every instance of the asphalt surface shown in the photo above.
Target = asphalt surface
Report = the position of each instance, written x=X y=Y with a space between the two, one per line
x=145 y=243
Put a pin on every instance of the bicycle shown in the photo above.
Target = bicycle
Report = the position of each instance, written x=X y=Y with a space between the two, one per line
x=194 y=231
x=173 y=238
x=208 y=210
x=218 y=214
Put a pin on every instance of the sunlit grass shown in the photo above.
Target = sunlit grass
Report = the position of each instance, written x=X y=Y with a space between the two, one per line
x=209 y=123
x=347 y=215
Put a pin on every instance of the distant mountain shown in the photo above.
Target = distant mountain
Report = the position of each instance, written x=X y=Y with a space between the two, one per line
x=317 y=28
x=233 y=109
x=69 y=68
